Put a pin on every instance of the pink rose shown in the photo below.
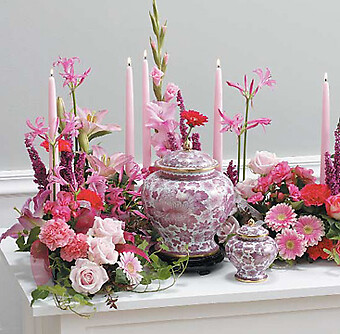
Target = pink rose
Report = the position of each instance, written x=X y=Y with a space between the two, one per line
x=102 y=250
x=306 y=175
x=56 y=233
x=263 y=183
x=108 y=227
x=333 y=206
x=245 y=188
x=156 y=75
x=87 y=277
x=263 y=162
x=170 y=92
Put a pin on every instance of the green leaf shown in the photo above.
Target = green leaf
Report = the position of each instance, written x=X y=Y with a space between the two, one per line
x=21 y=243
x=99 y=134
x=143 y=245
x=333 y=233
x=33 y=235
x=154 y=25
x=38 y=293
x=164 y=247
x=164 y=273
x=296 y=205
x=121 y=277
x=336 y=257
x=81 y=299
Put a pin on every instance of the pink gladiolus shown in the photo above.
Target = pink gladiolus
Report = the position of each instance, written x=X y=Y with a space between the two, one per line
x=162 y=116
x=232 y=124
x=156 y=75
x=259 y=121
x=166 y=58
x=153 y=44
x=170 y=92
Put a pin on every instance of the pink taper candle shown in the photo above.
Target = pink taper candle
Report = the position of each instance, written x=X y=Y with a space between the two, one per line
x=129 y=112
x=52 y=123
x=218 y=105
x=324 y=127
x=146 y=100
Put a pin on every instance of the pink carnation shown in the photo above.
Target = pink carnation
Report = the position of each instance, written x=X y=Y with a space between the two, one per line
x=294 y=192
x=263 y=183
x=258 y=197
x=77 y=248
x=56 y=233
x=281 y=172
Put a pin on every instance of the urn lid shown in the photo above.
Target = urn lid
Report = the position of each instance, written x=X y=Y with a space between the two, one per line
x=252 y=230
x=186 y=161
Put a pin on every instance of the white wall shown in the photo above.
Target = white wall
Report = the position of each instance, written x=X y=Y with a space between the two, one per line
x=296 y=39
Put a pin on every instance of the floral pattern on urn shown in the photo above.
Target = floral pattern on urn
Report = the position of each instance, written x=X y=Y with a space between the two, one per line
x=188 y=200
x=251 y=251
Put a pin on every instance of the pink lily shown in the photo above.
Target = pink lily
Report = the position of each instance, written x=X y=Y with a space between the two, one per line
x=237 y=86
x=265 y=79
x=106 y=165
x=232 y=124
x=38 y=129
x=28 y=218
x=259 y=121
x=91 y=123
x=97 y=183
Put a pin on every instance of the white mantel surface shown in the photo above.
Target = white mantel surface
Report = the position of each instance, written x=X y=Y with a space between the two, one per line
x=219 y=287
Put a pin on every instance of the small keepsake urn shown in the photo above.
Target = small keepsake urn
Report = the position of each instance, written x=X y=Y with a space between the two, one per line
x=251 y=251
x=187 y=200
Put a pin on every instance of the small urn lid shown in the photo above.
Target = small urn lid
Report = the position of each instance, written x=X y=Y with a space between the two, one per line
x=252 y=230
x=186 y=161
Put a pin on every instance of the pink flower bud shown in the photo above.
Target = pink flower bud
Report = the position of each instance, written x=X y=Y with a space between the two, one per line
x=164 y=29
x=153 y=45
x=166 y=58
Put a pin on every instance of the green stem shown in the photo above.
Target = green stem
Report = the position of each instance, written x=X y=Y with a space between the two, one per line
x=245 y=139
x=238 y=156
x=54 y=191
x=75 y=113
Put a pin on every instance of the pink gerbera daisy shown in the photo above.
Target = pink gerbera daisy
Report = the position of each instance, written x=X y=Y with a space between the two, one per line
x=291 y=244
x=131 y=266
x=311 y=228
x=280 y=216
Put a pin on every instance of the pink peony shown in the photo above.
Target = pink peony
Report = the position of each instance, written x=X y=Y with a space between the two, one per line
x=170 y=92
x=102 y=250
x=280 y=216
x=56 y=233
x=333 y=206
x=311 y=228
x=87 y=277
x=263 y=162
x=156 y=75
x=76 y=249
x=258 y=197
x=281 y=172
x=294 y=192
x=245 y=188
x=131 y=266
x=291 y=244
x=108 y=227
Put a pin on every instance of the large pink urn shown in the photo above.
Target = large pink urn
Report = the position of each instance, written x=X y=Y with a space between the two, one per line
x=187 y=201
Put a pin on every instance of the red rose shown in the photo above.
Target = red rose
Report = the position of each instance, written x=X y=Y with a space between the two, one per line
x=315 y=194
x=316 y=251
x=92 y=197
x=194 y=118
x=333 y=206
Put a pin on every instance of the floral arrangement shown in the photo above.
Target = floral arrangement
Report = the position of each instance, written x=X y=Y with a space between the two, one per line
x=162 y=111
x=86 y=228
x=300 y=214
